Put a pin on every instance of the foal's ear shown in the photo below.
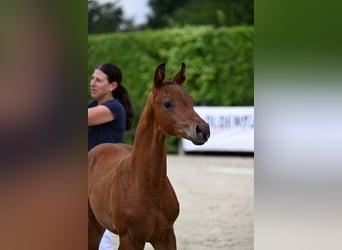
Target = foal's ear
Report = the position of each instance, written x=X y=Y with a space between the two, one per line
x=159 y=75
x=181 y=76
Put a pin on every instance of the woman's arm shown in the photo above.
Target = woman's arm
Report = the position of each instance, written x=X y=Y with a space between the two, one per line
x=99 y=115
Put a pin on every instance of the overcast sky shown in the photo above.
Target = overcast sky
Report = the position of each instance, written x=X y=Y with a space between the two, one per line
x=136 y=9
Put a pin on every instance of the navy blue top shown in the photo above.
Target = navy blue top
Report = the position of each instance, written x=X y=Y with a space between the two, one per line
x=112 y=131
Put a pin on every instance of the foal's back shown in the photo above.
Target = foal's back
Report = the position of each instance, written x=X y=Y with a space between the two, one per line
x=105 y=157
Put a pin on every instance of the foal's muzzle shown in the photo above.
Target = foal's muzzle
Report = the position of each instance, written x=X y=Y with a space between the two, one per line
x=201 y=134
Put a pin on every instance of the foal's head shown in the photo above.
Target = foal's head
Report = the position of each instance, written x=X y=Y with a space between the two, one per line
x=173 y=108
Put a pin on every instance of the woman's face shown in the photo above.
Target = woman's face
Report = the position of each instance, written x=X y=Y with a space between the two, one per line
x=100 y=87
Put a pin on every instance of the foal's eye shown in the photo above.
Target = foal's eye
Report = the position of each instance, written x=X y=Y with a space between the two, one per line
x=167 y=104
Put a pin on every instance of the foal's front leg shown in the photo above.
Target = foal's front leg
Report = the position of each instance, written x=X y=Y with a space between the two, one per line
x=167 y=241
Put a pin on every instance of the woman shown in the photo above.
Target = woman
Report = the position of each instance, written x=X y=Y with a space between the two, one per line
x=110 y=114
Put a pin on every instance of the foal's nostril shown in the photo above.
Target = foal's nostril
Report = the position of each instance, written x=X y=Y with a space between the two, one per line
x=200 y=134
x=199 y=131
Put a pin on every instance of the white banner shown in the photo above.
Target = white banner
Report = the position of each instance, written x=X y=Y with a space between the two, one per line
x=231 y=130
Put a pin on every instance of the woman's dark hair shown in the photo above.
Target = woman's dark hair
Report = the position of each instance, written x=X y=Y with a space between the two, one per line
x=114 y=74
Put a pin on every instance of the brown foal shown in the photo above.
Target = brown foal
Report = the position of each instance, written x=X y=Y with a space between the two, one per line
x=129 y=191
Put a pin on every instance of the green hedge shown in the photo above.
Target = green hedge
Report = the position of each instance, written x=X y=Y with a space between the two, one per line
x=220 y=63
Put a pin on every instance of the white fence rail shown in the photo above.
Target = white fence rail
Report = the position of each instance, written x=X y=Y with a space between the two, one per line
x=231 y=130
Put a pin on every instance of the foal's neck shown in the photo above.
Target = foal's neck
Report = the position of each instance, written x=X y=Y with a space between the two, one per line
x=149 y=149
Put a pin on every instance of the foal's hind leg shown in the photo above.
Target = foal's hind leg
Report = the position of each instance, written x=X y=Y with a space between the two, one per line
x=126 y=243
x=166 y=242
x=95 y=231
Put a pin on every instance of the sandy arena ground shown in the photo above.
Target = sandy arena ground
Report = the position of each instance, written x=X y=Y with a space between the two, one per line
x=216 y=196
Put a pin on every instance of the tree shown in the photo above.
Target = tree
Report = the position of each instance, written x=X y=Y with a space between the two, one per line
x=200 y=12
x=215 y=12
x=161 y=11
x=105 y=18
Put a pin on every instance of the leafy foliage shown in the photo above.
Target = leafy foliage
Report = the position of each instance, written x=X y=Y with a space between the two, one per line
x=220 y=66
